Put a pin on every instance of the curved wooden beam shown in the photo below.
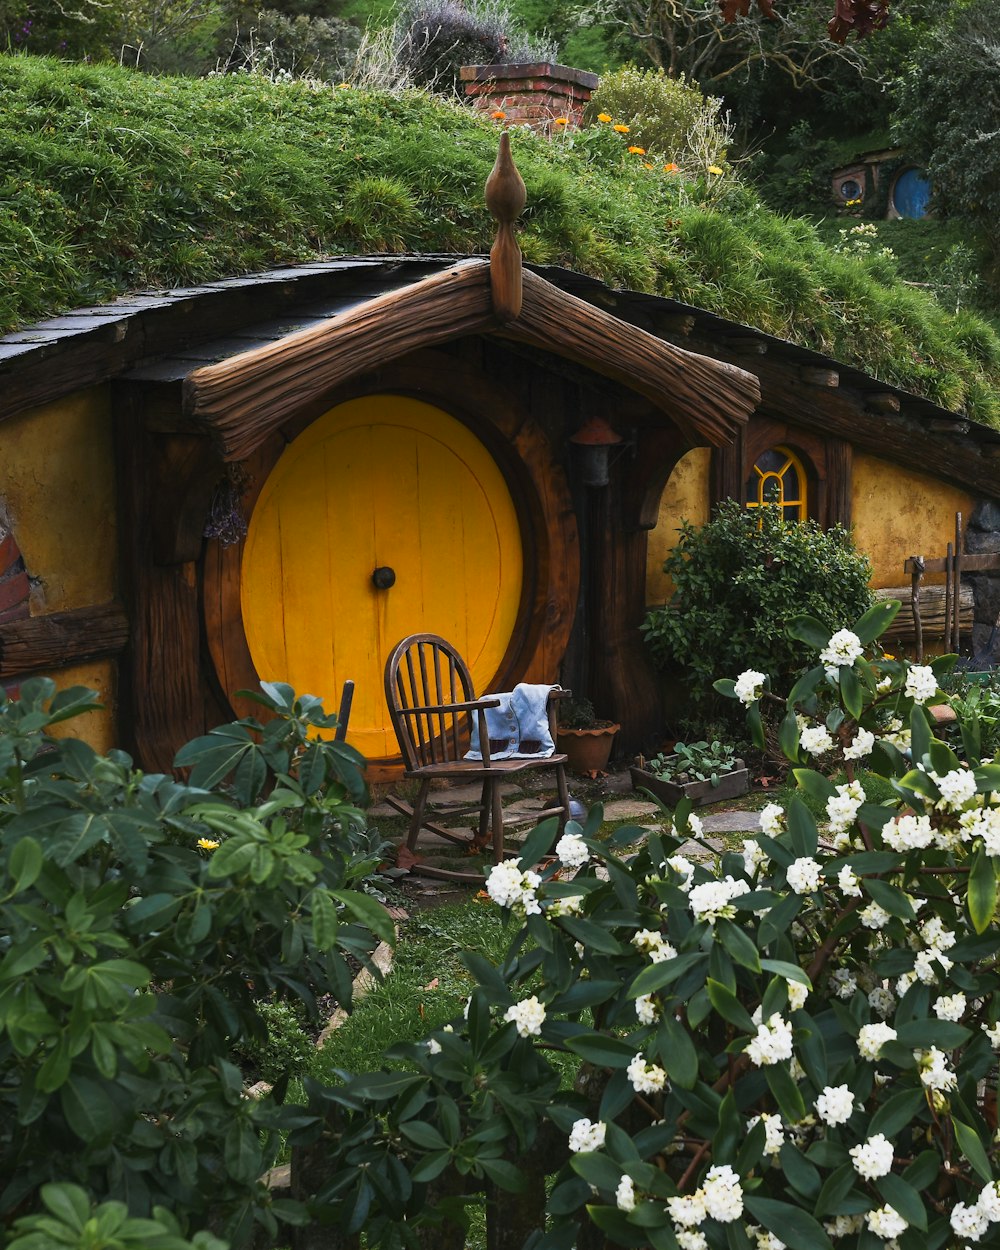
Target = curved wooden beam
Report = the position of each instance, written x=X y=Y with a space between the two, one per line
x=245 y=398
x=709 y=399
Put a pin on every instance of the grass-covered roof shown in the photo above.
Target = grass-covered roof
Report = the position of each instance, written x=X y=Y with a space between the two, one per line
x=113 y=181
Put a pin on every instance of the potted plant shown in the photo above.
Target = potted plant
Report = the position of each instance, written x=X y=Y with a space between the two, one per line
x=583 y=737
x=703 y=772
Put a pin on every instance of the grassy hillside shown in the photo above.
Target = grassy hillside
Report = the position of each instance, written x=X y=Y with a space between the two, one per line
x=111 y=181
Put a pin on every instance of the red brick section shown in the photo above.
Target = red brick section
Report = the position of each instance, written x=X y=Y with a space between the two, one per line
x=530 y=94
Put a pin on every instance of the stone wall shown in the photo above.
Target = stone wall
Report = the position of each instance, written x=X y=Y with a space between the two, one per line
x=983 y=537
x=535 y=95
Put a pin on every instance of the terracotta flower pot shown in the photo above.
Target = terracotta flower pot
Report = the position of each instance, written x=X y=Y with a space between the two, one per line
x=587 y=750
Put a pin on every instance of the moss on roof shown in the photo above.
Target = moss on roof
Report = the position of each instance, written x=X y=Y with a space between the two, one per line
x=113 y=181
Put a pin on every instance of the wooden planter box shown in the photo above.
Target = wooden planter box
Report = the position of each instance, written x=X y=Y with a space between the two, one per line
x=731 y=786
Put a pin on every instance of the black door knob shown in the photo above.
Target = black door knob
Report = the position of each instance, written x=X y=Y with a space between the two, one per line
x=384 y=577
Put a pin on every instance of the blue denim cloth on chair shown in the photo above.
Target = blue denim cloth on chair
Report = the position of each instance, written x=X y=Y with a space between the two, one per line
x=518 y=728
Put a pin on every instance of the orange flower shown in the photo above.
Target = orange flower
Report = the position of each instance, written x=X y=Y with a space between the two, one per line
x=671 y=168
x=637 y=151
x=498 y=115
x=622 y=130
x=560 y=121
x=603 y=117
x=646 y=165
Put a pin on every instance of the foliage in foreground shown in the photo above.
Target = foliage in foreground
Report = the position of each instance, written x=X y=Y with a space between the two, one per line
x=143 y=920
x=112 y=181
x=735 y=580
x=796 y=1043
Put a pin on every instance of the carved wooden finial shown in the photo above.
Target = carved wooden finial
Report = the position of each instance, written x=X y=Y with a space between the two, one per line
x=505 y=198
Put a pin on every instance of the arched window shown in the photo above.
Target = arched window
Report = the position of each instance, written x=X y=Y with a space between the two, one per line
x=778 y=480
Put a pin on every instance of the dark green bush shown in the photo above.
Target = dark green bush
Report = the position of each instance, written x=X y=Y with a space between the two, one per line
x=142 y=922
x=738 y=580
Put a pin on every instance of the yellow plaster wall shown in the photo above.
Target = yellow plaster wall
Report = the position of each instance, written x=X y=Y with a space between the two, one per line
x=57 y=490
x=685 y=498
x=898 y=513
x=57 y=494
x=99 y=727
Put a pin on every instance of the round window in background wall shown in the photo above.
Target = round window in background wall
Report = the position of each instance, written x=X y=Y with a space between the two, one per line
x=851 y=189
x=911 y=193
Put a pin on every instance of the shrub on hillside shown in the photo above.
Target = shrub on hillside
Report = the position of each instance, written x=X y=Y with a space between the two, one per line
x=738 y=579
x=435 y=38
x=669 y=117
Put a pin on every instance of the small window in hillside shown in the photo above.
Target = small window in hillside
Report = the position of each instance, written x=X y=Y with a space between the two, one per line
x=778 y=480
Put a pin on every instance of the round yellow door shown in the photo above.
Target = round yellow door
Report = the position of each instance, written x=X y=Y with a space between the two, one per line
x=386 y=517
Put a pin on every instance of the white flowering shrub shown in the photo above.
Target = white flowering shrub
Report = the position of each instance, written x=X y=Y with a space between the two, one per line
x=795 y=1045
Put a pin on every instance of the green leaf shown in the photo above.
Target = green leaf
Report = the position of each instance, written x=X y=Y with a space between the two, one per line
x=738 y=944
x=657 y=976
x=922 y=1034
x=802 y=1175
x=538 y=843
x=850 y=691
x=836 y=1187
x=795 y=1227
x=324 y=919
x=903 y=1198
x=677 y=1052
x=68 y=1203
x=614 y=1222
x=809 y=630
x=597 y=1169
x=971 y=1146
x=25 y=864
x=729 y=1006
x=815 y=784
x=890 y=897
x=593 y=936
x=802 y=832
x=774 y=923
x=608 y=1052
x=920 y=734
x=788 y=735
x=756 y=726
x=982 y=895
x=426 y=1136
x=876 y=620
x=87 y=1108
x=791 y=972
x=369 y=912
x=896 y=1112
x=783 y=1087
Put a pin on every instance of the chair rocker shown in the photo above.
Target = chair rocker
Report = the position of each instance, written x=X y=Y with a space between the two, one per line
x=431 y=704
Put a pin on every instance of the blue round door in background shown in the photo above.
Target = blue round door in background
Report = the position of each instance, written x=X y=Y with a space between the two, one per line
x=911 y=193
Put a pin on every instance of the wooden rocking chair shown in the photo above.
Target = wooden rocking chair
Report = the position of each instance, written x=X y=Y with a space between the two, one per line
x=431 y=703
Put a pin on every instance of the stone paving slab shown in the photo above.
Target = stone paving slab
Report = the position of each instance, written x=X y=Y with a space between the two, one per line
x=731 y=822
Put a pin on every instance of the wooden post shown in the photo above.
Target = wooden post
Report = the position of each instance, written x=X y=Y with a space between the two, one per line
x=956 y=596
x=918 y=629
x=949 y=574
x=505 y=198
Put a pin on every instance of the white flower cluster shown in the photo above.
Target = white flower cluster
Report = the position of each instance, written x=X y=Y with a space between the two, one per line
x=849 y=882
x=712 y=900
x=950 y=1007
x=646 y=1078
x=683 y=867
x=797 y=994
x=844 y=1226
x=842 y=806
x=803 y=875
x=652 y=943
x=842 y=649
x=586 y=1136
x=874 y=917
x=508 y=886
x=873 y=1158
x=882 y=1001
x=750 y=686
x=571 y=850
x=571 y=905
x=772 y=1044
x=872 y=1037
x=815 y=740
x=886 y=1222
x=908 y=833
x=528 y=1016
x=723 y=1194
x=921 y=684
x=971 y=1221
x=772 y=820
x=894 y=732
x=983 y=822
x=934 y=1071
x=992 y=1032
x=843 y=982
x=862 y=745
x=957 y=788
x=647 y=1009
x=625 y=1194
x=835 y=1105
x=754 y=856
x=774 y=1132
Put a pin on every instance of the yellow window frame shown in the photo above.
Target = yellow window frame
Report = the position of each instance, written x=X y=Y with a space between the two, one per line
x=798 y=500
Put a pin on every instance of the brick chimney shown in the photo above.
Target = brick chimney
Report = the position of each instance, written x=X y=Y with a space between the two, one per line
x=536 y=93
